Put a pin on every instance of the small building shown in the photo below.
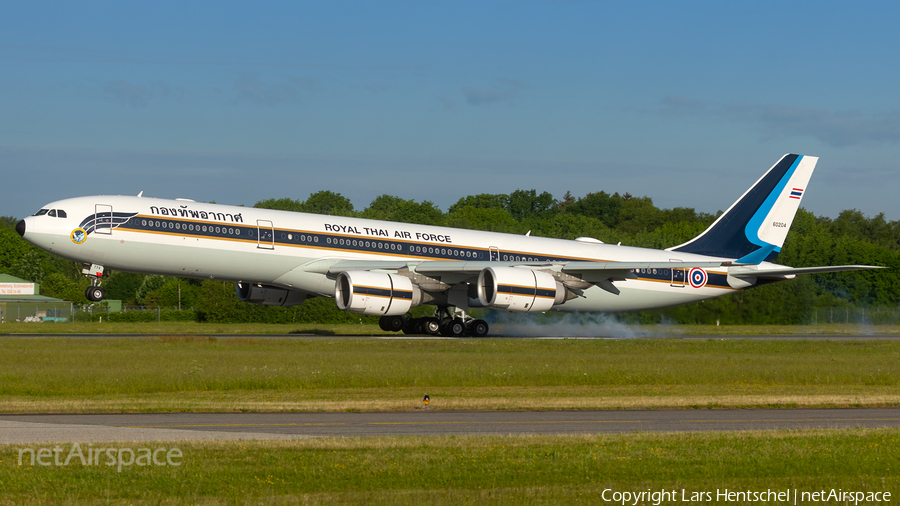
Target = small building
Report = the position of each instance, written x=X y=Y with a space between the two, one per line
x=21 y=301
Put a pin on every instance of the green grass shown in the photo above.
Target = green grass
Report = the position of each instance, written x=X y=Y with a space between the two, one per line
x=194 y=328
x=473 y=469
x=235 y=374
x=191 y=328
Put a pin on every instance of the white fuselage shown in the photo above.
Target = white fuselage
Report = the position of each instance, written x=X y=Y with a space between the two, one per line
x=285 y=249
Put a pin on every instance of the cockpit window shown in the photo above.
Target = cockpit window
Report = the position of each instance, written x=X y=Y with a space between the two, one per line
x=61 y=214
x=41 y=212
x=52 y=213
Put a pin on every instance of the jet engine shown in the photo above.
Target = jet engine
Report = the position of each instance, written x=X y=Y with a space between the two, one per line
x=375 y=293
x=517 y=289
x=268 y=295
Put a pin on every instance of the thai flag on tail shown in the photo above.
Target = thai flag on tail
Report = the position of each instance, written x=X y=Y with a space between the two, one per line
x=796 y=193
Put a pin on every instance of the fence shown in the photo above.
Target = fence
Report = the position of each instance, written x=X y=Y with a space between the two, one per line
x=35 y=311
x=95 y=313
x=858 y=315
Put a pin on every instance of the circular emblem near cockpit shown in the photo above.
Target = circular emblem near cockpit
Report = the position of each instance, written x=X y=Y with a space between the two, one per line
x=78 y=236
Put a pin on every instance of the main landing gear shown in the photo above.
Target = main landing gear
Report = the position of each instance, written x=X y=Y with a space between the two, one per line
x=444 y=322
x=94 y=293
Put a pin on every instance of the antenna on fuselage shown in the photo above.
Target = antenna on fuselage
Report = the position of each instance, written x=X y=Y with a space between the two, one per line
x=139 y=194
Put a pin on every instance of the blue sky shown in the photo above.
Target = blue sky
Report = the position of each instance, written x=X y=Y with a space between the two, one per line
x=685 y=102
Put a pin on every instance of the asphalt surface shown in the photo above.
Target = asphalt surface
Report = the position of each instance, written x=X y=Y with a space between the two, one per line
x=18 y=429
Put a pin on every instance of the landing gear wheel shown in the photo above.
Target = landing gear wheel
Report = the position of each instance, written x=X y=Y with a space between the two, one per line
x=431 y=326
x=393 y=323
x=411 y=326
x=478 y=328
x=456 y=327
x=95 y=294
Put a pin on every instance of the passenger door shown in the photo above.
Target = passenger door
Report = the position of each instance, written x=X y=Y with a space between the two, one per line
x=103 y=219
x=266 y=231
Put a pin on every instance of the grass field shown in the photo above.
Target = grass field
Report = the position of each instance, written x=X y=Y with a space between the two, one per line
x=590 y=328
x=184 y=372
x=258 y=374
x=475 y=470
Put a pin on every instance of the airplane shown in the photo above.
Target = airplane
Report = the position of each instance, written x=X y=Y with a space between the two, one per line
x=384 y=268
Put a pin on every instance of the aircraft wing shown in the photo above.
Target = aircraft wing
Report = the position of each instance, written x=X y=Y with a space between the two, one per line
x=601 y=274
x=790 y=272
x=437 y=268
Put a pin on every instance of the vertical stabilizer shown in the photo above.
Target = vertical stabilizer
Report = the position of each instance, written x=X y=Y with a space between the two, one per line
x=753 y=229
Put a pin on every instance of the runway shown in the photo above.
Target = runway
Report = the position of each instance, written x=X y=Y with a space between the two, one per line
x=775 y=337
x=85 y=428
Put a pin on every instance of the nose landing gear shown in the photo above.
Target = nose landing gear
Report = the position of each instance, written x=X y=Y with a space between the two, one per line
x=94 y=293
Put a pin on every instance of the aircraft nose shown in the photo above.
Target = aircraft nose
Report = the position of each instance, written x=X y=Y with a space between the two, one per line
x=20 y=227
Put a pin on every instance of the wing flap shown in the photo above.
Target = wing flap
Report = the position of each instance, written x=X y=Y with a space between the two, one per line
x=793 y=271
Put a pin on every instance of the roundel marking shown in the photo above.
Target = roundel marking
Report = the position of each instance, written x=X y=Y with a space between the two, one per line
x=78 y=235
x=698 y=277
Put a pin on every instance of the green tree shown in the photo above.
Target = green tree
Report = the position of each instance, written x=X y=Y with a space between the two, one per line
x=327 y=202
x=8 y=222
x=481 y=201
x=601 y=205
x=525 y=204
x=59 y=286
x=123 y=286
x=283 y=204
x=322 y=202
x=482 y=218
x=391 y=208
x=171 y=291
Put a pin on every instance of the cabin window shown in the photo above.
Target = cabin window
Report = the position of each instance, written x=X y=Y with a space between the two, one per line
x=61 y=214
x=52 y=213
x=41 y=212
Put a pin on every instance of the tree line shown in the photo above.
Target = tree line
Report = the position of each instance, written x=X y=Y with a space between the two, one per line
x=851 y=238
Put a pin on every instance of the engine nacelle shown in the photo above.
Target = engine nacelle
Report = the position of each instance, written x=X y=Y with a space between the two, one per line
x=518 y=289
x=380 y=293
x=268 y=295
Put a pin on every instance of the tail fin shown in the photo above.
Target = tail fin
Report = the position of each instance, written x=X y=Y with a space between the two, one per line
x=753 y=229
